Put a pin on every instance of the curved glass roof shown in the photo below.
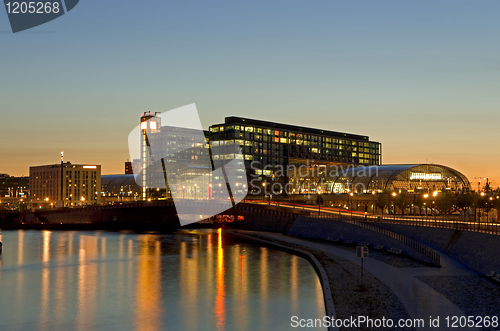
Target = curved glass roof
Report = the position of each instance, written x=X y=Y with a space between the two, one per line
x=406 y=177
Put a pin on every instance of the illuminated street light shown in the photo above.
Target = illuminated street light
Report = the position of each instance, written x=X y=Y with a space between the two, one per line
x=373 y=204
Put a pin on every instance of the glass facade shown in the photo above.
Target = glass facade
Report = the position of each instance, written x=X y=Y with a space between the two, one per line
x=367 y=179
x=269 y=149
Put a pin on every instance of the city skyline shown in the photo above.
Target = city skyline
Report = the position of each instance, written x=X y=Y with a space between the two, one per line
x=118 y=165
x=420 y=78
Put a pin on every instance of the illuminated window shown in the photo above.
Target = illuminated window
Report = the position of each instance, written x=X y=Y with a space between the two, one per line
x=283 y=140
x=152 y=125
x=144 y=125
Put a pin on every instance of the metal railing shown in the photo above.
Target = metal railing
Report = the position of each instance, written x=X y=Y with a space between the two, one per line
x=361 y=222
x=437 y=222
x=365 y=222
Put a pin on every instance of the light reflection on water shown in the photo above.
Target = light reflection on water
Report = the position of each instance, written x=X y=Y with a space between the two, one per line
x=187 y=281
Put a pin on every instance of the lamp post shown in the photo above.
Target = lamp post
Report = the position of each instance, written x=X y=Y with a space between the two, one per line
x=350 y=205
x=394 y=194
x=426 y=195
x=373 y=205
x=319 y=202
x=195 y=189
x=488 y=210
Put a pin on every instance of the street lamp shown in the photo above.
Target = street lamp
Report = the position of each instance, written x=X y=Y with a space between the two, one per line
x=319 y=202
x=373 y=205
x=244 y=187
x=394 y=205
x=264 y=192
x=350 y=207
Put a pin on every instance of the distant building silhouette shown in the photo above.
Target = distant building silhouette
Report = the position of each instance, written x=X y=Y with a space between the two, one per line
x=128 y=168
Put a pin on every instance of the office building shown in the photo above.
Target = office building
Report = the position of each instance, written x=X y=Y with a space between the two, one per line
x=14 y=187
x=128 y=168
x=183 y=153
x=64 y=185
x=270 y=149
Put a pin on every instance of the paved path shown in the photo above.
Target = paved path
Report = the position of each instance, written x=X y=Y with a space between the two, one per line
x=419 y=299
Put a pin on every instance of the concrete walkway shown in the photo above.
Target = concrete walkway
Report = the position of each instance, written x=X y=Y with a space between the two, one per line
x=420 y=300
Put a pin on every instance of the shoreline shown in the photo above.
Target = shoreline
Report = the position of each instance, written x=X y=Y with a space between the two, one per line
x=342 y=282
x=318 y=267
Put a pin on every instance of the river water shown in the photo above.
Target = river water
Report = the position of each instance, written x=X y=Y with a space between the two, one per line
x=190 y=280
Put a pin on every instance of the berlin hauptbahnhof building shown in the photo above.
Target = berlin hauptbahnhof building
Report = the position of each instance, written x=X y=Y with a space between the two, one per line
x=281 y=159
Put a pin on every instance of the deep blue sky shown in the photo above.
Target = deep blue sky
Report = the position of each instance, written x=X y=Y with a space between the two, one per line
x=422 y=77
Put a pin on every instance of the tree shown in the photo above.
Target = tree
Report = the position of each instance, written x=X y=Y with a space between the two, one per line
x=444 y=203
x=418 y=201
x=402 y=202
x=382 y=202
x=466 y=200
x=496 y=204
